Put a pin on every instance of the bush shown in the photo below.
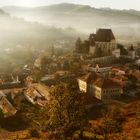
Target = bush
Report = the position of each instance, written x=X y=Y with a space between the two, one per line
x=34 y=133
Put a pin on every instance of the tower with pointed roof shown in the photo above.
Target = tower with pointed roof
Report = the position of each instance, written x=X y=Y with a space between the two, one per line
x=78 y=45
x=132 y=52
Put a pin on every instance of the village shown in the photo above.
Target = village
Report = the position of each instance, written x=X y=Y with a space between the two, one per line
x=104 y=71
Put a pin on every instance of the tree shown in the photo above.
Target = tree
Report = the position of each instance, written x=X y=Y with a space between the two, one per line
x=33 y=115
x=66 y=65
x=43 y=62
x=1 y=114
x=110 y=126
x=138 y=114
x=75 y=66
x=116 y=113
x=66 y=111
x=78 y=46
x=56 y=76
x=112 y=121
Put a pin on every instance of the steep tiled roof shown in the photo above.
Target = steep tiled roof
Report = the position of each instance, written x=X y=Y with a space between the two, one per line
x=90 y=77
x=43 y=90
x=131 y=48
x=136 y=75
x=104 y=35
x=92 y=39
x=7 y=107
x=106 y=83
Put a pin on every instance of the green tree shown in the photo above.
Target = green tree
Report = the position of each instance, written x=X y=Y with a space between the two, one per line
x=1 y=114
x=75 y=67
x=66 y=111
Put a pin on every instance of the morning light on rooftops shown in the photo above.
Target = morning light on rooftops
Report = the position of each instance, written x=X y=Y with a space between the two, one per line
x=69 y=70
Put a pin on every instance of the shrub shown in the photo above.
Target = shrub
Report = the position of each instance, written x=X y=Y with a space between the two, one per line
x=34 y=133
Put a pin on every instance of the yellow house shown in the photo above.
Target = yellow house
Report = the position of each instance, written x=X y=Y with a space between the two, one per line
x=100 y=87
x=107 y=88
x=86 y=82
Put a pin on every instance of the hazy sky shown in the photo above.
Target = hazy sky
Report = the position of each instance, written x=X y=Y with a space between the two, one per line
x=118 y=4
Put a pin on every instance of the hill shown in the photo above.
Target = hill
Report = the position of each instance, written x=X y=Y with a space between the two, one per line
x=16 y=31
x=125 y=23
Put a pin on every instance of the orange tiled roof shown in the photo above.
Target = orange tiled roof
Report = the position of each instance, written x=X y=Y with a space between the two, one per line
x=106 y=83
x=136 y=74
x=90 y=77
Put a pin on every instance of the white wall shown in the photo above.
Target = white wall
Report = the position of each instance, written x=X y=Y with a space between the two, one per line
x=98 y=93
x=111 y=93
x=92 y=50
x=82 y=85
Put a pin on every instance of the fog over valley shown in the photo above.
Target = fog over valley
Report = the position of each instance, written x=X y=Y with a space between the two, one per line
x=69 y=70
x=83 y=18
x=17 y=31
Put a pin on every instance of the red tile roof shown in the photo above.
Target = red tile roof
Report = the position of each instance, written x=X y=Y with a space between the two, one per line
x=106 y=83
x=136 y=74
x=90 y=77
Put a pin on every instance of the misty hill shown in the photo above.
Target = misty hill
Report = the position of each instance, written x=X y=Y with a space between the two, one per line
x=17 y=31
x=125 y=23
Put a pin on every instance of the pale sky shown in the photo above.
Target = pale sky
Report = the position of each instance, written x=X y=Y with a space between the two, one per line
x=117 y=4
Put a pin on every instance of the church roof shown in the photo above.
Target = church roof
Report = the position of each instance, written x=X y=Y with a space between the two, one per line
x=104 y=35
x=131 y=48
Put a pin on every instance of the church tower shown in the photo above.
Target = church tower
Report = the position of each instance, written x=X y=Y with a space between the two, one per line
x=132 y=52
